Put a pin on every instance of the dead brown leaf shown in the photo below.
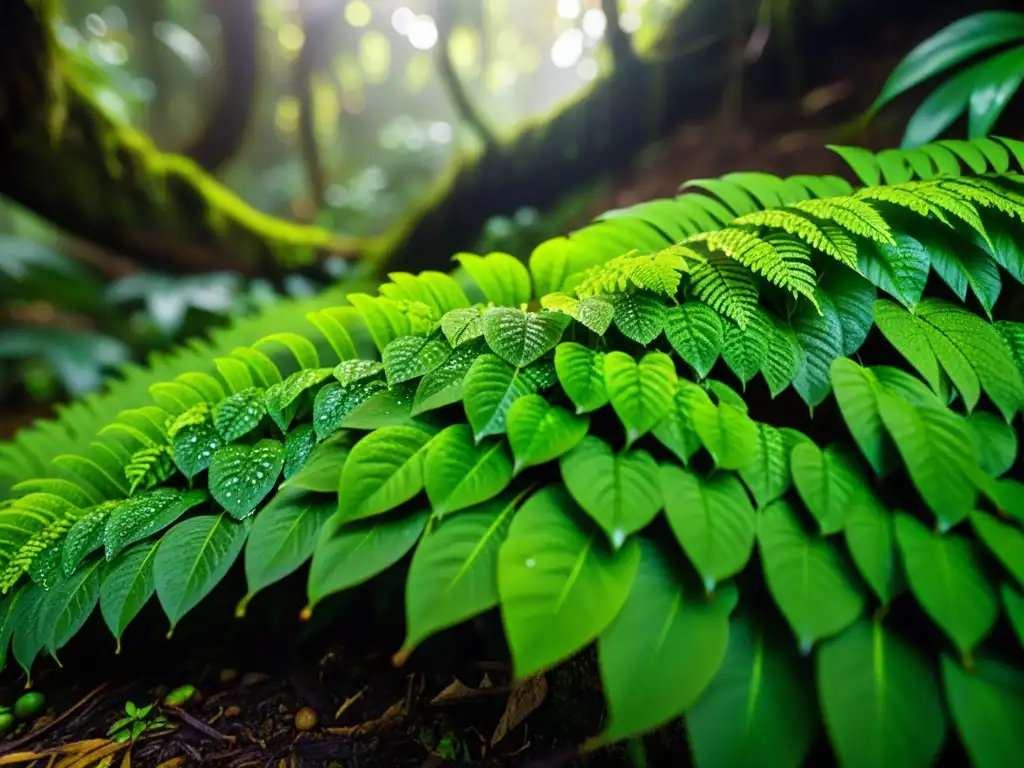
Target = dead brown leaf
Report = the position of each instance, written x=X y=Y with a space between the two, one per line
x=392 y=715
x=526 y=696
x=455 y=693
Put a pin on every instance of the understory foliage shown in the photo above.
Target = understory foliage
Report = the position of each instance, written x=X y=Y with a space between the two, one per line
x=603 y=446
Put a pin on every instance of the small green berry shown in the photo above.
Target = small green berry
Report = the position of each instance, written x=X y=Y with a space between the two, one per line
x=181 y=695
x=29 y=705
x=6 y=722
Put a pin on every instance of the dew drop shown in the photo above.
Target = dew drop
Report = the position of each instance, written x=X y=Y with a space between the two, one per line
x=530 y=562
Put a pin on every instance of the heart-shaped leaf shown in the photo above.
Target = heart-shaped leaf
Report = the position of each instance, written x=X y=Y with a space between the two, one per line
x=241 y=476
x=827 y=484
x=383 y=470
x=239 y=414
x=410 y=357
x=460 y=473
x=520 y=337
x=491 y=386
x=443 y=385
x=695 y=331
x=987 y=705
x=539 y=432
x=640 y=392
x=336 y=401
x=581 y=373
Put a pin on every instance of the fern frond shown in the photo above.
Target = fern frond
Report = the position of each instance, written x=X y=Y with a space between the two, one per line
x=952 y=204
x=852 y=214
x=659 y=272
x=903 y=197
x=829 y=239
x=986 y=193
x=149 y=467
x=726 y=286
x=40 y=541
x=761 y=256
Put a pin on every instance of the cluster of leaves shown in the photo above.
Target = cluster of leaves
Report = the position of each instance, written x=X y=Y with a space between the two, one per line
x=557 y=442
x=981 y=90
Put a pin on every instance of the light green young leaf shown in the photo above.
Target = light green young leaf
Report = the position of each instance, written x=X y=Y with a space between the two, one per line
x=383 y=471
x=239 y=414
x=460 y=472
x=357 y=552
x=695 y=332
x=946 y=578
x=559 y=586
x=490 y=388
x=758 y=710
x=336 y=401
x=619 y=491
x=410 y=357
x=639 y=317
x=127 y=585
x=141 y=516
x=241 y=476
x=856 y=391
x=350 y=371
x=539 y=432
x=907 y=334
x=937 y=451
x=192 y=558
x=520 y=337
x=282 y=538
x=1005 y=541
x=662 y=650
x=596 y=313
x=767 y=476
x=987 y=705
x=712 y=520
x=462 y=325
x=504 y=280
x=443 y=385
x=827 y=483
x=880 y=700
x=678 y=430
x=870 y=538
x=640 y=392
x=807 y=577
x=454 y=571
x=728 y=433
x=581 y=373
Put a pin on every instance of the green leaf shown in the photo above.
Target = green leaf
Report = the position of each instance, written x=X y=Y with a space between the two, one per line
x=383 y=471
x=879 y=699
x=581 y=373
x=767 y=475
x=391 y=407
x=357 y=552
x=619 y=491
x=807 y=577
x=962 y=265
x=639 y=317
x=192 y=558
x=241 y=476
x=1005 y=541
x=239 y=414
x=322 y=471
x=827 y=484
x=350 y=371
x=987 y=705
x=454 y=571
x=937 y=451
x=820 y=339
x=560 y=586
x=298 y=446
x=745 y=350
x=853 y=298
x=491 y=386
x=68 y=605
x=662 y=650
x=282 y=538
x=459 y=472
x=596 y=313
x=782 y=362
x=539 y=432
x=900 y=270
x=85 y=536
x=127 y=585
x=946 y=578
x=504 y=279
x=1014 y=604
x=640 y=392
x=995 y=442
x=856 y=391
x=907 y=334
x=282 y=399
x=758 y=710
x=462 y=325
x=728 y=433
x=336 y=401
x=870 y=538
x=695 y=332
x=520 y=337
x=410 y=357
x=26 y=615
x=193 y=447
x=712 y=519
x=678 y=430
x=443 y=385
x=141 y=516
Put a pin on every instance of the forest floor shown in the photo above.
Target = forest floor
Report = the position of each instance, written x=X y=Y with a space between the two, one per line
x=463 y=710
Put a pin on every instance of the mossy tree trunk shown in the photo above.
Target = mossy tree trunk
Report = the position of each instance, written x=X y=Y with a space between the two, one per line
x=66 y=160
